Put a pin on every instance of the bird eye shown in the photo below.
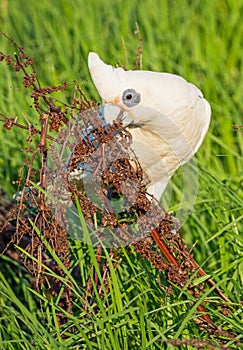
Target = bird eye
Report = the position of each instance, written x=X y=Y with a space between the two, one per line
x=131 y=97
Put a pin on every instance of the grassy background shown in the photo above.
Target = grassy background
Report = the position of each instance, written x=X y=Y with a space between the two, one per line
x=200 y=40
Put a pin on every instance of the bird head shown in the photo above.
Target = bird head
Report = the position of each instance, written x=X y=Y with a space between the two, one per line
x=126 y=90
x=114 y=84
x=162 y=103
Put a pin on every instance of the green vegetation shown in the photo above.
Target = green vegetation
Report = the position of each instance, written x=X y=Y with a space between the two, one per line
x=200 y=40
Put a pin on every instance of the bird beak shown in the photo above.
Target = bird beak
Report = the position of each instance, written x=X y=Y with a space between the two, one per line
x=114 y=111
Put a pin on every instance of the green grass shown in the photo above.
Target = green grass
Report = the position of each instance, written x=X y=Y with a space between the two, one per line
x=135 y=314
x=200 y=40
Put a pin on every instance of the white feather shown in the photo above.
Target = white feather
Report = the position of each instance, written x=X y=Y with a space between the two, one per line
x=172 y=114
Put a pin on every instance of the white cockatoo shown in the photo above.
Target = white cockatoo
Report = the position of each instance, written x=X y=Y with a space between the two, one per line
x=167 y=117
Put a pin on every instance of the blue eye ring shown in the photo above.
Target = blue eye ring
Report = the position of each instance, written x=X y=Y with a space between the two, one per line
x=131 y=98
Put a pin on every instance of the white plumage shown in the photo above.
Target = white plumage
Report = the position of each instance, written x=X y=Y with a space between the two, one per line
x=167 y=117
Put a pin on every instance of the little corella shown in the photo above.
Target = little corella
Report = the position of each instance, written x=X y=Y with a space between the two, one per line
x=167 y=117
